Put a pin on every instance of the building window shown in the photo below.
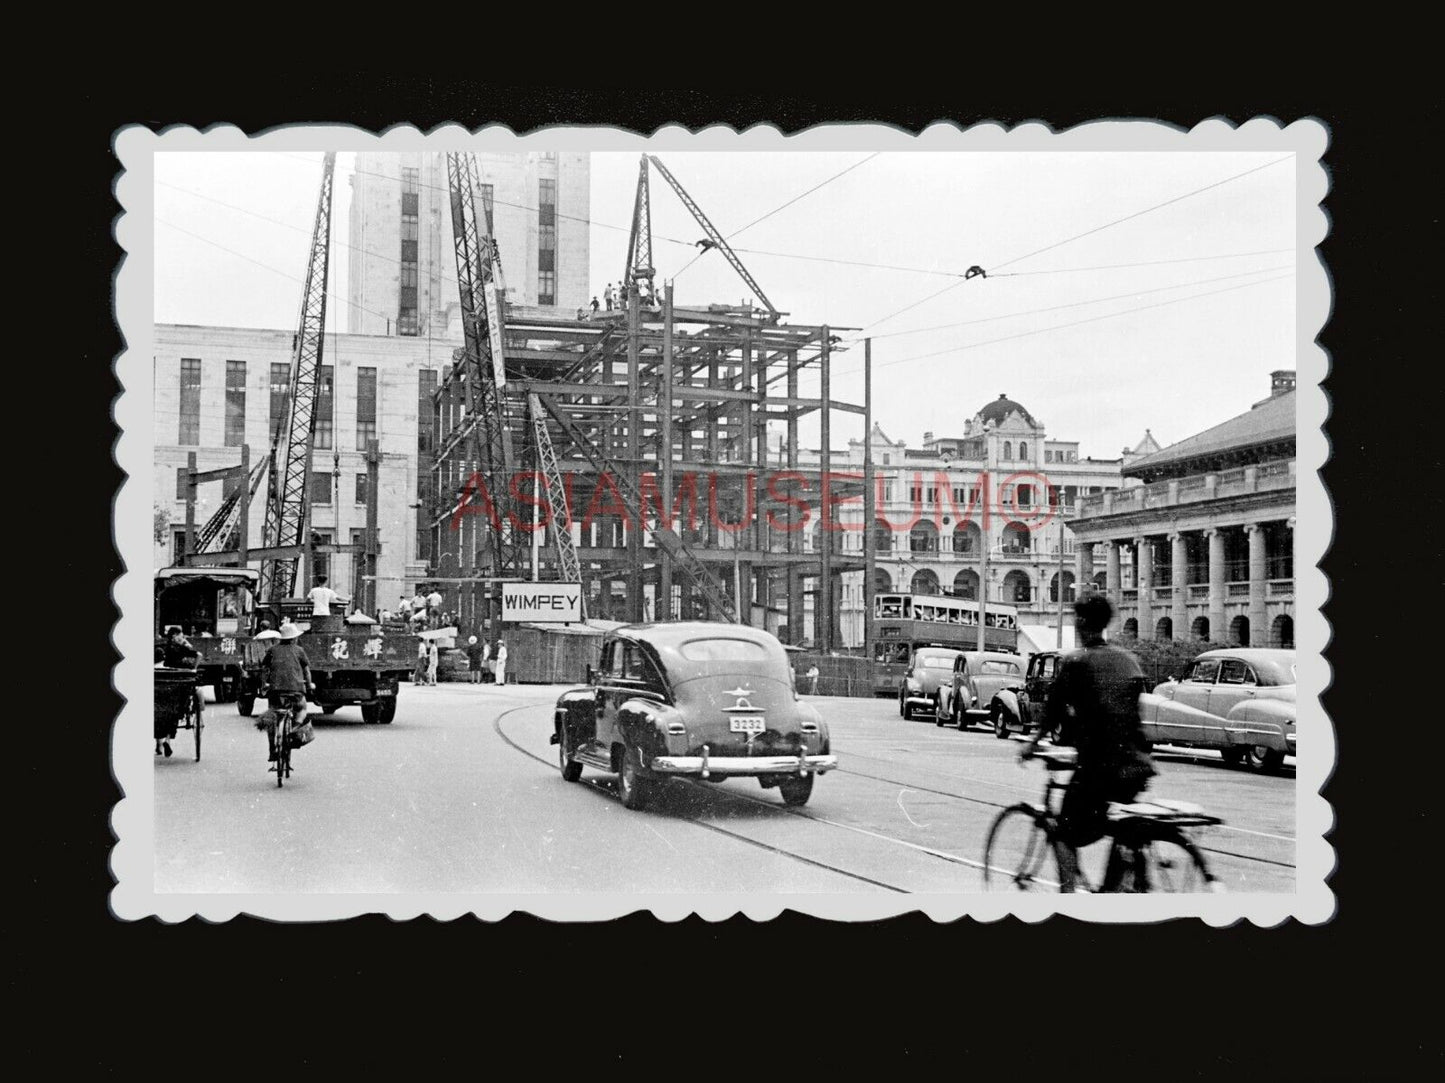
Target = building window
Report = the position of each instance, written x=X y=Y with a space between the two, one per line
x=323 y=412
x=280 y=385
x=1023 y=449
x=320 y=487
x=321 y=562
x=235 y=403
x=426 y=385
x=410 y=180
x=1008 y=450
x=546 y=241
x=361 y=488
x=365 y=407
x=181 y=472
x=190 y=429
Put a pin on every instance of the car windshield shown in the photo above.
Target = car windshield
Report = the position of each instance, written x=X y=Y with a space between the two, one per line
x=723 y=650
x=936 y=661
x=988 y=665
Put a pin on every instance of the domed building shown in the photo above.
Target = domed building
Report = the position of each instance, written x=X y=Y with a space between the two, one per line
x=930 y=534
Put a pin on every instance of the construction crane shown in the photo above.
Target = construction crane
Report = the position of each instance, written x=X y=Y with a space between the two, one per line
x=483 y=360
x=561 y=518
x=639 y=251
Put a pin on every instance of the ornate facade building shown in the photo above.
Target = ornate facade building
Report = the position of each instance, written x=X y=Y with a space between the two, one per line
x=1204 y=547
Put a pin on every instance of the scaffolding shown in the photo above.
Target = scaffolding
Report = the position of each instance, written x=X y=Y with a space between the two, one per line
x=657 y=412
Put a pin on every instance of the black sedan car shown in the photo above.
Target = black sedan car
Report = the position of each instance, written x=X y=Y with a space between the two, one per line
x=696 y=699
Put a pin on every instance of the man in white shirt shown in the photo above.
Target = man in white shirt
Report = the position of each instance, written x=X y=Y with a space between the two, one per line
x=500 y=668
x=322 y=598
x=434 y=601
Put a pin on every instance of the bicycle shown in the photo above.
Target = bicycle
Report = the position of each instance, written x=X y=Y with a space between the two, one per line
x=290 y=714
x=1150 y=849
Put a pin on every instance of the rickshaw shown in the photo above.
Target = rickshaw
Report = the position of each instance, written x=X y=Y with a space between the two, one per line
x=178 y=705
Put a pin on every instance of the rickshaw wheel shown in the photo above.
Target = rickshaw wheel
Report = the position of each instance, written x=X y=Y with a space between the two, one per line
x=199 y=722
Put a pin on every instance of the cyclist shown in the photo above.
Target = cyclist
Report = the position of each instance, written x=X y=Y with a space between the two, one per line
x=1094 y=706
x=286 y=675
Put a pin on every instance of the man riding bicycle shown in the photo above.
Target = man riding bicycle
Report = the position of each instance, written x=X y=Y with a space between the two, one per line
x=285 y=677
x=1094 y=706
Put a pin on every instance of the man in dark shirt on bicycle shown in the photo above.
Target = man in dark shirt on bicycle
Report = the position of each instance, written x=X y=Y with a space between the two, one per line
x=286 y=674
x=1094 y=706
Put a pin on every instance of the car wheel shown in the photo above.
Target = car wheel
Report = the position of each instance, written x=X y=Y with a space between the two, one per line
x=388 y=711
x=571 y=769
x=632 y=787
x=796 y=791
x=1262 y=758
x=1000 y=723
x=371 y=712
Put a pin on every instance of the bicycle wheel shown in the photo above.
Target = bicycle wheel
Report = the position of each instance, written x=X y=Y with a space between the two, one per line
x=200 y=723
x=283 y=754
x=1019 y=853
x=1173 y=864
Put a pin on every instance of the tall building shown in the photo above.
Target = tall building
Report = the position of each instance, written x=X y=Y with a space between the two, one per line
x=217 y=388
x=401 y=266
x=1208 y=530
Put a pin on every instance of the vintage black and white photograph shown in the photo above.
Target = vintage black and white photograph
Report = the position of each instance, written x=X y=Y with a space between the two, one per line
x=856 y=522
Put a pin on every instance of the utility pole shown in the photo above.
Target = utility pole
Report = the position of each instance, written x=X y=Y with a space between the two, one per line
x=870 y=514
x=1059 y=638
x=983 y=568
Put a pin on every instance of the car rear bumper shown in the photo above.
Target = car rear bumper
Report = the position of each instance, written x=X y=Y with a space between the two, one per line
x=706 y=765
x=1289 y=742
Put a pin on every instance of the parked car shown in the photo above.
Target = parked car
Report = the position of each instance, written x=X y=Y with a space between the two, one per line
x=696 y=699
x=1240 y=701
x=978 y=676
x=927 y=670
x=1018 y=708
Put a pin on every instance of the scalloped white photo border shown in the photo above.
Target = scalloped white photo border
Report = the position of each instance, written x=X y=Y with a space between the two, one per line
x=132 y=858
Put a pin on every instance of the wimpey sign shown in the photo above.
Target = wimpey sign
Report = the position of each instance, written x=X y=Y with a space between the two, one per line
x=546 y=603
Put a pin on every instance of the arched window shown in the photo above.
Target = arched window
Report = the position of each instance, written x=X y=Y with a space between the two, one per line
x=1130 y=630
x=965 y=584
x=1164 y=629
x=1200 y=628
x=1281 y=632
x=966 y=538
x=882 y=537
x=1068 y=587
x=925 y=582
x=882 y=581
x=1016 y=587
x=1023 y=449
x=1015 y=538
x=1239 y=632
x=1008 y=450
x=923 y=538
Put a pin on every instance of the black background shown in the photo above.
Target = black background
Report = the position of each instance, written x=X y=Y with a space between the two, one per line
x=1177 y=1000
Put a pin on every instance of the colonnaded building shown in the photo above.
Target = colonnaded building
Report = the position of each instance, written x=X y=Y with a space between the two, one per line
x=1209 y=533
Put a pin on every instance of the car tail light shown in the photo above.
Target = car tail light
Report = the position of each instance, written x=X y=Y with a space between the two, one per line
x=677 y=729
x=809 y=727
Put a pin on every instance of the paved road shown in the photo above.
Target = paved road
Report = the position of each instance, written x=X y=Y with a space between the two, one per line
x=461 y=794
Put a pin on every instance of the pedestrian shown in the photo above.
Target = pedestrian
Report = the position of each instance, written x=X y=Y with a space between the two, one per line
x=813 y=679
x=322 y=598
x=431 y=662
x=487 y=673
x=594 y=304
x=474 y=660
x=403 y=608
x=418 y=675
x=607 y=296
x=500 y=670
x=434 y=602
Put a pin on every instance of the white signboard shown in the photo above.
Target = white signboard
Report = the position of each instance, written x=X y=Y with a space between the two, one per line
x=542 y=603
x=494 y=332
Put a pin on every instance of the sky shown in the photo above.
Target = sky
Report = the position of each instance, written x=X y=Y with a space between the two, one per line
x=1123 y=290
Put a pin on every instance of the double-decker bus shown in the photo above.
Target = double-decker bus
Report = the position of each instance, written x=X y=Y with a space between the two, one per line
x=903 y=623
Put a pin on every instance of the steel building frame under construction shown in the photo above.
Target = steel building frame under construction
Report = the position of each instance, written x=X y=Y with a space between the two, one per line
x=653 y=412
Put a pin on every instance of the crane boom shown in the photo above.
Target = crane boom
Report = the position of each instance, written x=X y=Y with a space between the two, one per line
x=560 y=522
x=639 y=245
x=288 y=506
x=718 y=240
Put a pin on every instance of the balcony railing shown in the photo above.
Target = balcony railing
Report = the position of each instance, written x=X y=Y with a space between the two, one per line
x=1279 y=588
x=1237 y=590
x=1266 y=477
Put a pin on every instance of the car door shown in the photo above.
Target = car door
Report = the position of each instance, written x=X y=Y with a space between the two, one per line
x=1236 y=683
x=1183 y=718
x=610 y=692
x=1042 y=669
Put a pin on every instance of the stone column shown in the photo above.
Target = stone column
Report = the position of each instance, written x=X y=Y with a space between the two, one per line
x=1258 y=633
x=1083 y=568
x=1179 y=612
x=1216 y=583
x=1111 y=573
x=1144 y=573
